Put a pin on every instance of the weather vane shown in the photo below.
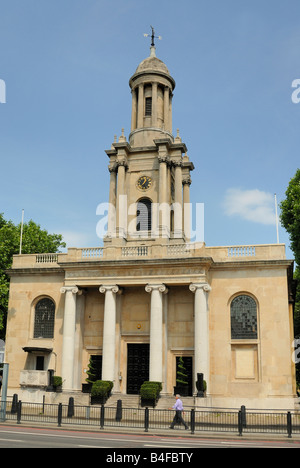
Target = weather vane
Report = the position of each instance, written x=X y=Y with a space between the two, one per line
x=153 y=36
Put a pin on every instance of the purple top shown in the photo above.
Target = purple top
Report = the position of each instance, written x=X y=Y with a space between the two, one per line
x=178 y=405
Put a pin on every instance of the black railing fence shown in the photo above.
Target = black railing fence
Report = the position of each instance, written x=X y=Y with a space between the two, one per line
x=242 y=421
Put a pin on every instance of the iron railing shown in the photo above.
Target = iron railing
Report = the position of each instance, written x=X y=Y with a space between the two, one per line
x=241 y=421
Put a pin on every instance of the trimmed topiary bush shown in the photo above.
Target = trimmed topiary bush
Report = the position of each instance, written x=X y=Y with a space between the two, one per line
x=101 y=390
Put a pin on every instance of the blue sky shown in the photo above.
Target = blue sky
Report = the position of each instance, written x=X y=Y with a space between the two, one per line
x=66 y=66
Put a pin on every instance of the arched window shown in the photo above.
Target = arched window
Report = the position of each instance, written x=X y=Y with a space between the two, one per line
x=44 y=319
x=144 y=215
x=243 y=311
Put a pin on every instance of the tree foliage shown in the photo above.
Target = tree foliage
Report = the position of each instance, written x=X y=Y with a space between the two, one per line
x=290 y=214
x=290 y=219
x=35 y=240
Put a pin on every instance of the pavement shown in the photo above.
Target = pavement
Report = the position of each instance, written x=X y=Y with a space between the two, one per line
x=175 y=433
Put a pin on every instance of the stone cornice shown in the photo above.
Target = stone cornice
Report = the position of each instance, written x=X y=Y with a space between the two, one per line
x=238 y=264
x=34 y=271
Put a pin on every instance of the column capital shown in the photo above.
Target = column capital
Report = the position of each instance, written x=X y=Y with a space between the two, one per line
x=113 y=288
x=186 y=180
x=163 y=158
x=195 y=286
x=158 y=287
x=121 y=163
x=113 y=168
x=176 y=163
x=72 y=289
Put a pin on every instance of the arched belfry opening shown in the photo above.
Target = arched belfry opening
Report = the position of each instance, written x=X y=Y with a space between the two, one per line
x=144 y=215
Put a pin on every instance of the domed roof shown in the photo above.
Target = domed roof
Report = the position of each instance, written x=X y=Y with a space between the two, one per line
x=152 y=64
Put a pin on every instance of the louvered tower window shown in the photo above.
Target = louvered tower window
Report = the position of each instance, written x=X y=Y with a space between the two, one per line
x=148 y=106
x=144 y=214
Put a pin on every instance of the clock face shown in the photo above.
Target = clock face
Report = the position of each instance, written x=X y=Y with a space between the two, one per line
x=144 y=183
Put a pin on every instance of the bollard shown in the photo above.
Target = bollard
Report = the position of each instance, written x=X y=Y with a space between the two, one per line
x=14 y=406
x=119 y=411
x=71 y=407
x=244 y=418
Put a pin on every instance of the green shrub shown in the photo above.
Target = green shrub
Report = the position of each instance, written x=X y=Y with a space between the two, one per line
x=91 y=373
x=57 y=381
x=101 y=388
x=181 y=377
x=150 y=390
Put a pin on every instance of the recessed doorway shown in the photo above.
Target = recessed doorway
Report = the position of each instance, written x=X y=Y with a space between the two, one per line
x=137 y=366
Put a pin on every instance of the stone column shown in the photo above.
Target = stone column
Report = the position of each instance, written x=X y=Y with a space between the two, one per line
x=178 y=199
x=121 y=211
x=166 y=107
x=111 y=225
x=164 y=209
x=109 y=332
x=140 y=119
x=68 y=347
x=201 y=333
x=156 y=331
x=186 y=208
x=134 y=110
x=154 y=104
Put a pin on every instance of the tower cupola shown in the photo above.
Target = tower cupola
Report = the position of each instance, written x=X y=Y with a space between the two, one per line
x=152 y=90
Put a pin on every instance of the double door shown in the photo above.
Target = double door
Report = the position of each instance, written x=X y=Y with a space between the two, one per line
x=137 y=366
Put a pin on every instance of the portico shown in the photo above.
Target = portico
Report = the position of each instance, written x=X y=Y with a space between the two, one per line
x=135 y=312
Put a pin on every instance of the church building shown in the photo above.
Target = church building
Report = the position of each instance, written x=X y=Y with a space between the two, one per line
x=150 y=296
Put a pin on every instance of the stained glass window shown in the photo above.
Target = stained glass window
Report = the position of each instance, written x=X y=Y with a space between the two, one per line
x=243 y=318
x=44 y=319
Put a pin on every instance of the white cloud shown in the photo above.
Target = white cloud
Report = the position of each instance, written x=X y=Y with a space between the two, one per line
x=252 y=205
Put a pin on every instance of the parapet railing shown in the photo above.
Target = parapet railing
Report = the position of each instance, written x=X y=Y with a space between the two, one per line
x=235 y=253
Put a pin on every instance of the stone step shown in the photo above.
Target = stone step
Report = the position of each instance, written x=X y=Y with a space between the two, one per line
x=128 y=401
x=133 y=401
x=166 y=402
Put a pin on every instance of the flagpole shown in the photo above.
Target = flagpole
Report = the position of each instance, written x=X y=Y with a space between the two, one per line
x=276 y=215
x=21 y=237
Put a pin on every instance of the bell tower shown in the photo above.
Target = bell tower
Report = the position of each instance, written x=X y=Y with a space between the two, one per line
x=149 y=173
x=152 y=89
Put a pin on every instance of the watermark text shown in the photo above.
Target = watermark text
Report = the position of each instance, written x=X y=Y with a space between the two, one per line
x=2 y=92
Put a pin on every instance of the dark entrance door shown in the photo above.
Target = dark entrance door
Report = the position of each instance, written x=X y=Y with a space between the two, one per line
x=137 y=367
x=97 y=366
x=188 y=364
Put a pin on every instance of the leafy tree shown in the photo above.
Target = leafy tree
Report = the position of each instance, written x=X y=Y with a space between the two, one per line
x=35 y=240
x=290 y=214
x=290 y=219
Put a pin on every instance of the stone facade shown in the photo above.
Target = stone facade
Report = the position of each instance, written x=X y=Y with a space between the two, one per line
x=149 y=295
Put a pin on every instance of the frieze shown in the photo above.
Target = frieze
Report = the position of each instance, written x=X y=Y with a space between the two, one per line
x=141 y=272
